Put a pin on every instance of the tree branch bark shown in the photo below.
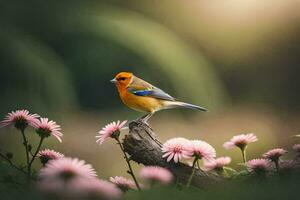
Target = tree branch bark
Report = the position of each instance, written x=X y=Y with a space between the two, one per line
x=143 y=147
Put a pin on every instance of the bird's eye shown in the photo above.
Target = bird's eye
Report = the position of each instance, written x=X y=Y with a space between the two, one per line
x=121 y=79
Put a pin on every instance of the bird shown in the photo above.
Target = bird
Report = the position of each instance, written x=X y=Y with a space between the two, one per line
x=142 y=96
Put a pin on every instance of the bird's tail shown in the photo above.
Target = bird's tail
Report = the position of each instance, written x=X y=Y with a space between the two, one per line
x=175 y=104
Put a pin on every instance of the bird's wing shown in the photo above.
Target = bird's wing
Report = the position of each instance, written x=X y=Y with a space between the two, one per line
x=140 y=87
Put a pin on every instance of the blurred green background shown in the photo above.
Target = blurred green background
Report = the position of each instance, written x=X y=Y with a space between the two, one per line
x=239 y=59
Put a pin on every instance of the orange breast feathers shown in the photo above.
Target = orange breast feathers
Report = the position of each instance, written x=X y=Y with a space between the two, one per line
x=140 y=103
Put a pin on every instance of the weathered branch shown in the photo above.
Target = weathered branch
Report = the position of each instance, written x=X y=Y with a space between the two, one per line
x=143 y=146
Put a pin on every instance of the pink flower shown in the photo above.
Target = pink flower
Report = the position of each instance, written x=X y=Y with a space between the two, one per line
x=110 y=130
x=64 y=169
x=20 y=119
x=47 y=154
x=287 y=165
x=240 y=141
x=274 y=154
x=176 y=148
x=202 y=150
x=258 y=165
x=296 y=148
x=96 y=189
x=123 y=183
x=70 y=178
x=156 y=174
x=80 y=188
x=45 y=128
x=217 y=164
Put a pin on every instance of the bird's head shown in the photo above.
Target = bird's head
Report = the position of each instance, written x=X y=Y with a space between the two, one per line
x=122 y=79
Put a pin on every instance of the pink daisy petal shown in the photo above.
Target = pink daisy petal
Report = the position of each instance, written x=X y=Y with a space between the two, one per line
x=175 y=149
x=240 y=141
x=156 y=174
x=166 y=154
x=47 y=155
x=66 y=168
x=20 y=119
x=45 y=127
x=274 y=154
x=176 y=158
x=170 y=157
x=217 y=164
x=179 y=156
x=109 y=130
x=123 y=183
x=201 y=150
x=80 y=188
x=96 y=189
x=258 y=166
x=123 y=124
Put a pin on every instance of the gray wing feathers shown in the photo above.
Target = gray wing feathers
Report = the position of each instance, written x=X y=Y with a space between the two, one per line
x=138 y=84
x=160 y=94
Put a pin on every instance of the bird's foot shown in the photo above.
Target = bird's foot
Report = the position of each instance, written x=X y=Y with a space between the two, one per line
x=147 y=125
x=143 y=122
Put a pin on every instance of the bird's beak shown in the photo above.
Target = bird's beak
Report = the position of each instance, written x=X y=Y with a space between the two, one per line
x=113 y=80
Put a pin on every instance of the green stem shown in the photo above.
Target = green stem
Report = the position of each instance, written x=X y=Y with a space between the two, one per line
x=35 y=154
x=193 y=172
x=277 y=165
x=224 y=173
x=25 y=143
x=11 y=163
x=244 y=155
x=198 y=164
x=128 y=163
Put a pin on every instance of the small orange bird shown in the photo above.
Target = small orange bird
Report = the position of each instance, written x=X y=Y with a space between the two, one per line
x=144 y=97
